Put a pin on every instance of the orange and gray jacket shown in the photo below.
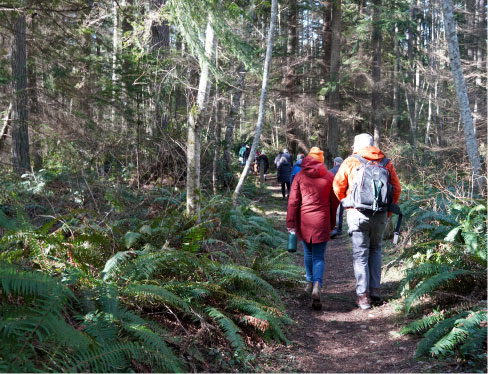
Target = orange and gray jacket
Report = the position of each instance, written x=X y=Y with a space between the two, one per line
x=345 y=175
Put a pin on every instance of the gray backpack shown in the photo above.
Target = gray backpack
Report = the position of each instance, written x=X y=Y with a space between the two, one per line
x=371 y=189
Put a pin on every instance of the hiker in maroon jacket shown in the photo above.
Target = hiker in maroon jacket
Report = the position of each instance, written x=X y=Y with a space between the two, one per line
x=311 y=215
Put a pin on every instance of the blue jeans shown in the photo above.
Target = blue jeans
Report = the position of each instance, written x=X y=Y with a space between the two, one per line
x=314 y=261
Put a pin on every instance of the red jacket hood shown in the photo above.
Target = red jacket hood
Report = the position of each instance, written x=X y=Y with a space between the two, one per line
x=371 y=153
x=313 y=168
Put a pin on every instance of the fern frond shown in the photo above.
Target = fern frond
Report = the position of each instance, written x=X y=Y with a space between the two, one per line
x=108 y=299
x=31 y=284
x=231 y=331
x=164 y=358
x=101 y=327
x=424 y=323
x=430 y=284
x=475 y=343
x=269 y=321
x=110 y=358
x=115 y=262
x=435 y=333
x=158 y=293
x=440 y=216
x=462 y=329
x=416 y=248
x=244 y=275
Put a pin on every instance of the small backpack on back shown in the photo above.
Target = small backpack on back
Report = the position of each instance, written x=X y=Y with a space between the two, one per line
x=371 y=189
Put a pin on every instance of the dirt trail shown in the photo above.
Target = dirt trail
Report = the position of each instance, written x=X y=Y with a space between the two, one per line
x=340 y=337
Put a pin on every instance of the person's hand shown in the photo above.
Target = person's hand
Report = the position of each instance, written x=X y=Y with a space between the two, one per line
x=290 y=230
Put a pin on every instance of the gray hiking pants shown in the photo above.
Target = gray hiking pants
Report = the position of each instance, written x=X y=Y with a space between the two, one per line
x=366 y=232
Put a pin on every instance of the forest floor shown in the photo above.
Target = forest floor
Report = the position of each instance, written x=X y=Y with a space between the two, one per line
x=340 y=337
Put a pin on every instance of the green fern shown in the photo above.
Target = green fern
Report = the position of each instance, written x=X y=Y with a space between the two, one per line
x=424 y=323
x=107 y=358
x=463 y=327
x=432 y=283
x=245 y=276
x=116 y=261
x=155 y=346
x=436 y=333
x=231 y=331
x=157 y=293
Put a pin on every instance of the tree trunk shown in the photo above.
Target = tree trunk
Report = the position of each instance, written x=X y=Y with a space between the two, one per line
x=217 y=134
x=34 y=109
x=290 y=79
x=233 y=112
x=115 y=43
x=159 y=47
x=461 y=92
x=326 y=54
x=334 y=99
x=262 y=101
x=195 y=130
x=376 y=40
x=396 y=91
x=20 y=132
x=410 y=88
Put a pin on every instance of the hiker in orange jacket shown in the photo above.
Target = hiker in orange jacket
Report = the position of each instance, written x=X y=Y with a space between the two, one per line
x=365 y=228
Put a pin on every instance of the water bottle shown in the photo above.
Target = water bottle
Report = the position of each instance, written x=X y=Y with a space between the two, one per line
x=292 y=242
x=395 y=238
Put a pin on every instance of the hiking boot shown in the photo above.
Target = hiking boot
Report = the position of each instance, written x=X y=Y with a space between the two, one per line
x=363 y=301
x=308 y=288
x=335 y=232
x=316 y=304
x=374 y=295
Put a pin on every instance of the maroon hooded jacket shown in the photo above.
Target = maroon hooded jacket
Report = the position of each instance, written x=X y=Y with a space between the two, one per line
x=312 y=204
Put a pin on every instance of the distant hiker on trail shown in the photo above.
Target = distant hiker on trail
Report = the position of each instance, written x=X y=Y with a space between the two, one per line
x=264 y=158
x=288 y=156
x=280 y=156
x=242 y=150
x=340 y=210
x=311 y=215
x=277 y=160
x=297 y=167
x=247 y=152
x=366 y=224
x=284 y=174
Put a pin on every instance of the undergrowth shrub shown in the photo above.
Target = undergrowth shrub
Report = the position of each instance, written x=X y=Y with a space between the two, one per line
x=445 y=279
x=140 y=287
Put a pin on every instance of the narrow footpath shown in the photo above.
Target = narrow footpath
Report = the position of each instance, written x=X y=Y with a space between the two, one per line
x=340 y=337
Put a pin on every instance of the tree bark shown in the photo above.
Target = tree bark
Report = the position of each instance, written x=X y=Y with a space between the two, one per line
x=262 y=101
x=410 y=96
x=34 y=108
x=159 y=46
x=396 y=91
x=20 y=132
x=461 y=92
x=376 y=41
x=290 y=78
x=217 y=136
x=326 y=54
x=115 y=46
x=334 y=95
x=233 y=112
x=195 y=129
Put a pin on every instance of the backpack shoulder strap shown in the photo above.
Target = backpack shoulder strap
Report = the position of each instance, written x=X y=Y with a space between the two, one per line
x=360 y=158
x=384 y=162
